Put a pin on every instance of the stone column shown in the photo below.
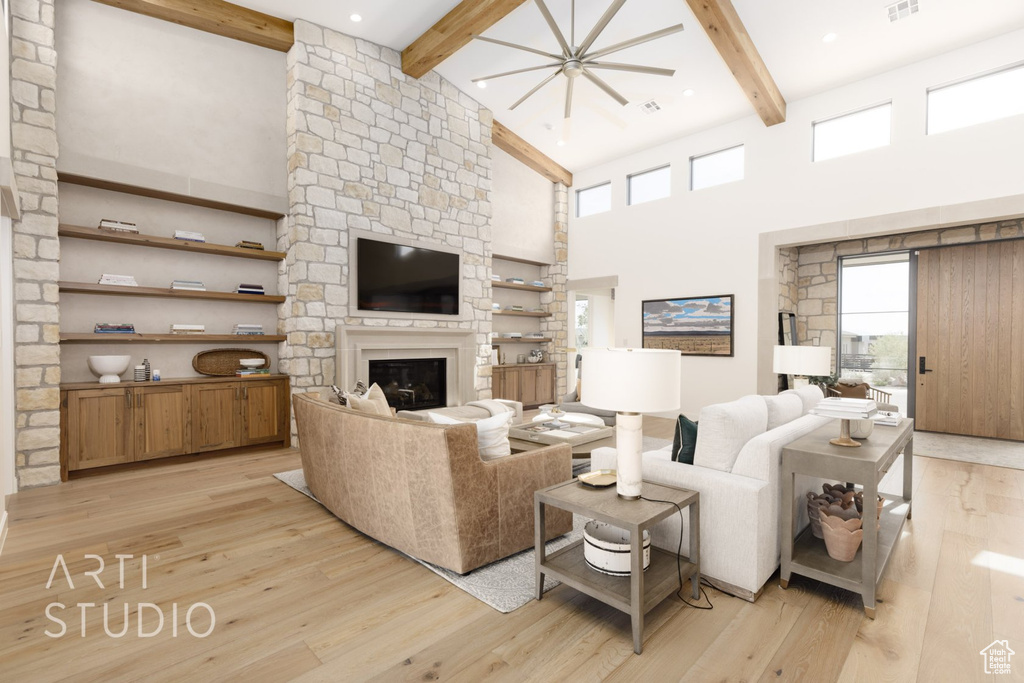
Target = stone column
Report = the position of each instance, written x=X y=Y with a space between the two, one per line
x=557 y=326
x=36 y=247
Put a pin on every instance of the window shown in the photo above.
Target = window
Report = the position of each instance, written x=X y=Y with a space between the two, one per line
x=591 y=200
x=716 y=168
x=980 y=99
x=650 y=185
x=851 y=133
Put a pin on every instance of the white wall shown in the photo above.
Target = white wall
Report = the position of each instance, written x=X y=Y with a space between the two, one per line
x=149 y=93
x=706 y=242
x=522 y=210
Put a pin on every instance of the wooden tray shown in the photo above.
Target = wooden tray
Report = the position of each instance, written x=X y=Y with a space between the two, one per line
x=224 y=362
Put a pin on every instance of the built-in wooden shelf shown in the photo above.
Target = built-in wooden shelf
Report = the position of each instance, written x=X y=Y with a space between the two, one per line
x=167 y=381
x=525 y=314
x=118 y=290
x=513 y=285
x=501 y=340
x=156 y=242
x=115 y=338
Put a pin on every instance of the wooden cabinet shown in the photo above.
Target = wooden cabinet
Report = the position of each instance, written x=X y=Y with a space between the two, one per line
x=135 y=421
x=532 y=384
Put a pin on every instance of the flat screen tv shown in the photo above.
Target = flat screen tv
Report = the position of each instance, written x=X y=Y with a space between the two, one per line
x=403 y=279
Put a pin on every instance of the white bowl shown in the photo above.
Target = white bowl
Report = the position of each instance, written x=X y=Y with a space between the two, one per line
x=252 y=362
x=109 y=368
x=606 y=548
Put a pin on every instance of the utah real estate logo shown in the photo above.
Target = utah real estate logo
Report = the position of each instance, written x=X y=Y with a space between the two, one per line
x=997 y=657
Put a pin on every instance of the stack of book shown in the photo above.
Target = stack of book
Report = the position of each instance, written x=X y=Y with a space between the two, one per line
x=114 y=328
x=846 y=408
x=118 y=226
x=515 y=307
x=538 y=283
x=535 y=335
x=247 y=329
x=119 y=280
x=246 y=244
x=515 y=280
x=511 y=335
x=495 y=277
x=188 y=329
x=248 y=372
x=249 y=289
x=189 y=236
x=193 y=285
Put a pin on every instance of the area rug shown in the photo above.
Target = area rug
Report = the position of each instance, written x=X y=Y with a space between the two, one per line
x=505 y=585
x=970 y=449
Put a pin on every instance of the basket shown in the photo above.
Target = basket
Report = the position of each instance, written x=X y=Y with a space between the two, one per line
x=224 y=362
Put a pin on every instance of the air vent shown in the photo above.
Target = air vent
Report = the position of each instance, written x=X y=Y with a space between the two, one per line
x=650 y=107
x=902 y=9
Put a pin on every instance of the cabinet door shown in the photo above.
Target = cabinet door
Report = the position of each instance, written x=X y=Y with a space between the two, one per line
x=216 y=416
x=505 y=383
x=264 y=411
x=546 y=384
x=99 y=427
x=161 y=422
x=528 y=386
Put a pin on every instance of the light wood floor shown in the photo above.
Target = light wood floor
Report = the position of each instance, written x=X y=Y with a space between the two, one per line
x=299 y=595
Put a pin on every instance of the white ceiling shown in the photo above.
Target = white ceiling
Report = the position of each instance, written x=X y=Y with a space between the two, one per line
x=787 y=33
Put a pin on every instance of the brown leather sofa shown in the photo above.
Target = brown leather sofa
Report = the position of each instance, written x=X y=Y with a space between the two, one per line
x=422 y=488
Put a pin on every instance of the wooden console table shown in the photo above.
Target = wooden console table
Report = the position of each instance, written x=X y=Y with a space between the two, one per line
x=813 y=455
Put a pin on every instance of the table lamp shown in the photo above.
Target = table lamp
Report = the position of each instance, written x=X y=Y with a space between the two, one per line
x=802 y=361
x=631 y=382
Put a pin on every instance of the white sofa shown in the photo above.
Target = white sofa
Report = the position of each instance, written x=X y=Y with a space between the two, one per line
x=736 y=470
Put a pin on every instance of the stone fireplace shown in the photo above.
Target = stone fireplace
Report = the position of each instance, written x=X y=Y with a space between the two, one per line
x=413 y=383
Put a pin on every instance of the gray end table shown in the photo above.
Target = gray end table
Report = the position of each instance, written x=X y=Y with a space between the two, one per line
x=638 y=593
x=813 y=455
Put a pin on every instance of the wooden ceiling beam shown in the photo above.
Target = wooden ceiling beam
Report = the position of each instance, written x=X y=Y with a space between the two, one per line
x=523 y=151
x=452 y=32
x=216 y=16
x=730 y=38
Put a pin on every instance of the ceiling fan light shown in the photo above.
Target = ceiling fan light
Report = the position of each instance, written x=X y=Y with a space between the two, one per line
x=481 y=84
x=689 y=92
x=355 y=17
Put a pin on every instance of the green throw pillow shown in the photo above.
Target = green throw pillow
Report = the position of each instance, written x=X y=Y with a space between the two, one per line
x=684 y=443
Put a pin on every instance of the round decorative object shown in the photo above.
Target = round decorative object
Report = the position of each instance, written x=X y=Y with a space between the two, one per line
x=252 y=362
x=861 y=429
x=224 y=362
x=606 y=548
x=109 y=368
x=842 y=537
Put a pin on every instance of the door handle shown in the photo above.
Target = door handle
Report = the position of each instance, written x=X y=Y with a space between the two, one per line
x=921 y=366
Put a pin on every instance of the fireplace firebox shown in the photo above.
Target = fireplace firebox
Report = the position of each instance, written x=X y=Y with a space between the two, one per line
x=413 y=383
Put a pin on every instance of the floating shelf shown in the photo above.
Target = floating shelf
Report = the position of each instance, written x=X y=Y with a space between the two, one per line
x=525 y=314
x=497 y=341
x=117 y=290
x=140 y=240
x=513 y=285
x=115 y=338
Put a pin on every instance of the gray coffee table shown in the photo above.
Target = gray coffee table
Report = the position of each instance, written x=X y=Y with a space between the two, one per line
x=640 y=592
x=814 y=456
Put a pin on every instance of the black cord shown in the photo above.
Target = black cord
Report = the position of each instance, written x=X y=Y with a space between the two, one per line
x=679 y=561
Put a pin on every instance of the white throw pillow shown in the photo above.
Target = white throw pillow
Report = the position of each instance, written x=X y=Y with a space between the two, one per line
x=491 y=432
x=783 y=408
x=725 y=428
x=373 y=402
x=810 y=394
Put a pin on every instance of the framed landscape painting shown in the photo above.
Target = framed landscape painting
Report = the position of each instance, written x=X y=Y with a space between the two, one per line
x=694 y=326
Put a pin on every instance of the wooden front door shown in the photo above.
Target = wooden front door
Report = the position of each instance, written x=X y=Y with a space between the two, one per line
x=970 y=340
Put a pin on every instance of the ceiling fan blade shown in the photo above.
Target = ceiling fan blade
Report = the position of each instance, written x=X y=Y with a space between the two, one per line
x=535 y=89
x=554 y=27
x=652 y=70
x=517 y=71
x=600 y=26
x=639 y=40
x=519 y=47
x=568 y=96
x=607 y=88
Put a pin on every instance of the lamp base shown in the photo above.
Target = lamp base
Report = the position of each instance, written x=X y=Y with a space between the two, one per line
x=844 y=436
x=629 y=462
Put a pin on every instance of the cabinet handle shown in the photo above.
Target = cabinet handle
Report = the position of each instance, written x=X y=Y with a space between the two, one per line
x=245 y=393
x=128 y=398
x=238 y=391
x=139 y=396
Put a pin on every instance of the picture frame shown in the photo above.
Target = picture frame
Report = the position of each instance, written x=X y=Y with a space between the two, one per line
x=694 y=326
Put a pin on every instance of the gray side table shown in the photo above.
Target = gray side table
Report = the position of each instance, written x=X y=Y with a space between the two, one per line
x=638 y=593
x=813 y=455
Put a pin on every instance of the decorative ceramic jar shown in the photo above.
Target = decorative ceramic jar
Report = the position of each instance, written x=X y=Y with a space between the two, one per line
x=606 y=548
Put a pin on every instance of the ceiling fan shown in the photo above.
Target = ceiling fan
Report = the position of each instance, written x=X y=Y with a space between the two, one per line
x=578 y=60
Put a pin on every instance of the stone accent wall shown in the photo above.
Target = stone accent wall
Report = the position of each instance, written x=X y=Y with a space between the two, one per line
x=556 y=301
x=36 y=247
x=788 y=290
x=818 y=284
x=373 y=149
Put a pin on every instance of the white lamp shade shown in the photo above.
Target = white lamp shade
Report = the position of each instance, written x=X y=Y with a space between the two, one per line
x=803 y=360
x=631 y=380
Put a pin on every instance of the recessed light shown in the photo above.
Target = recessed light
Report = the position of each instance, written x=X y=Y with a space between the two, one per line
x=561 y=143
x=829 y=38
x=481 y=84
x=356 y=17
x=689 y=92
